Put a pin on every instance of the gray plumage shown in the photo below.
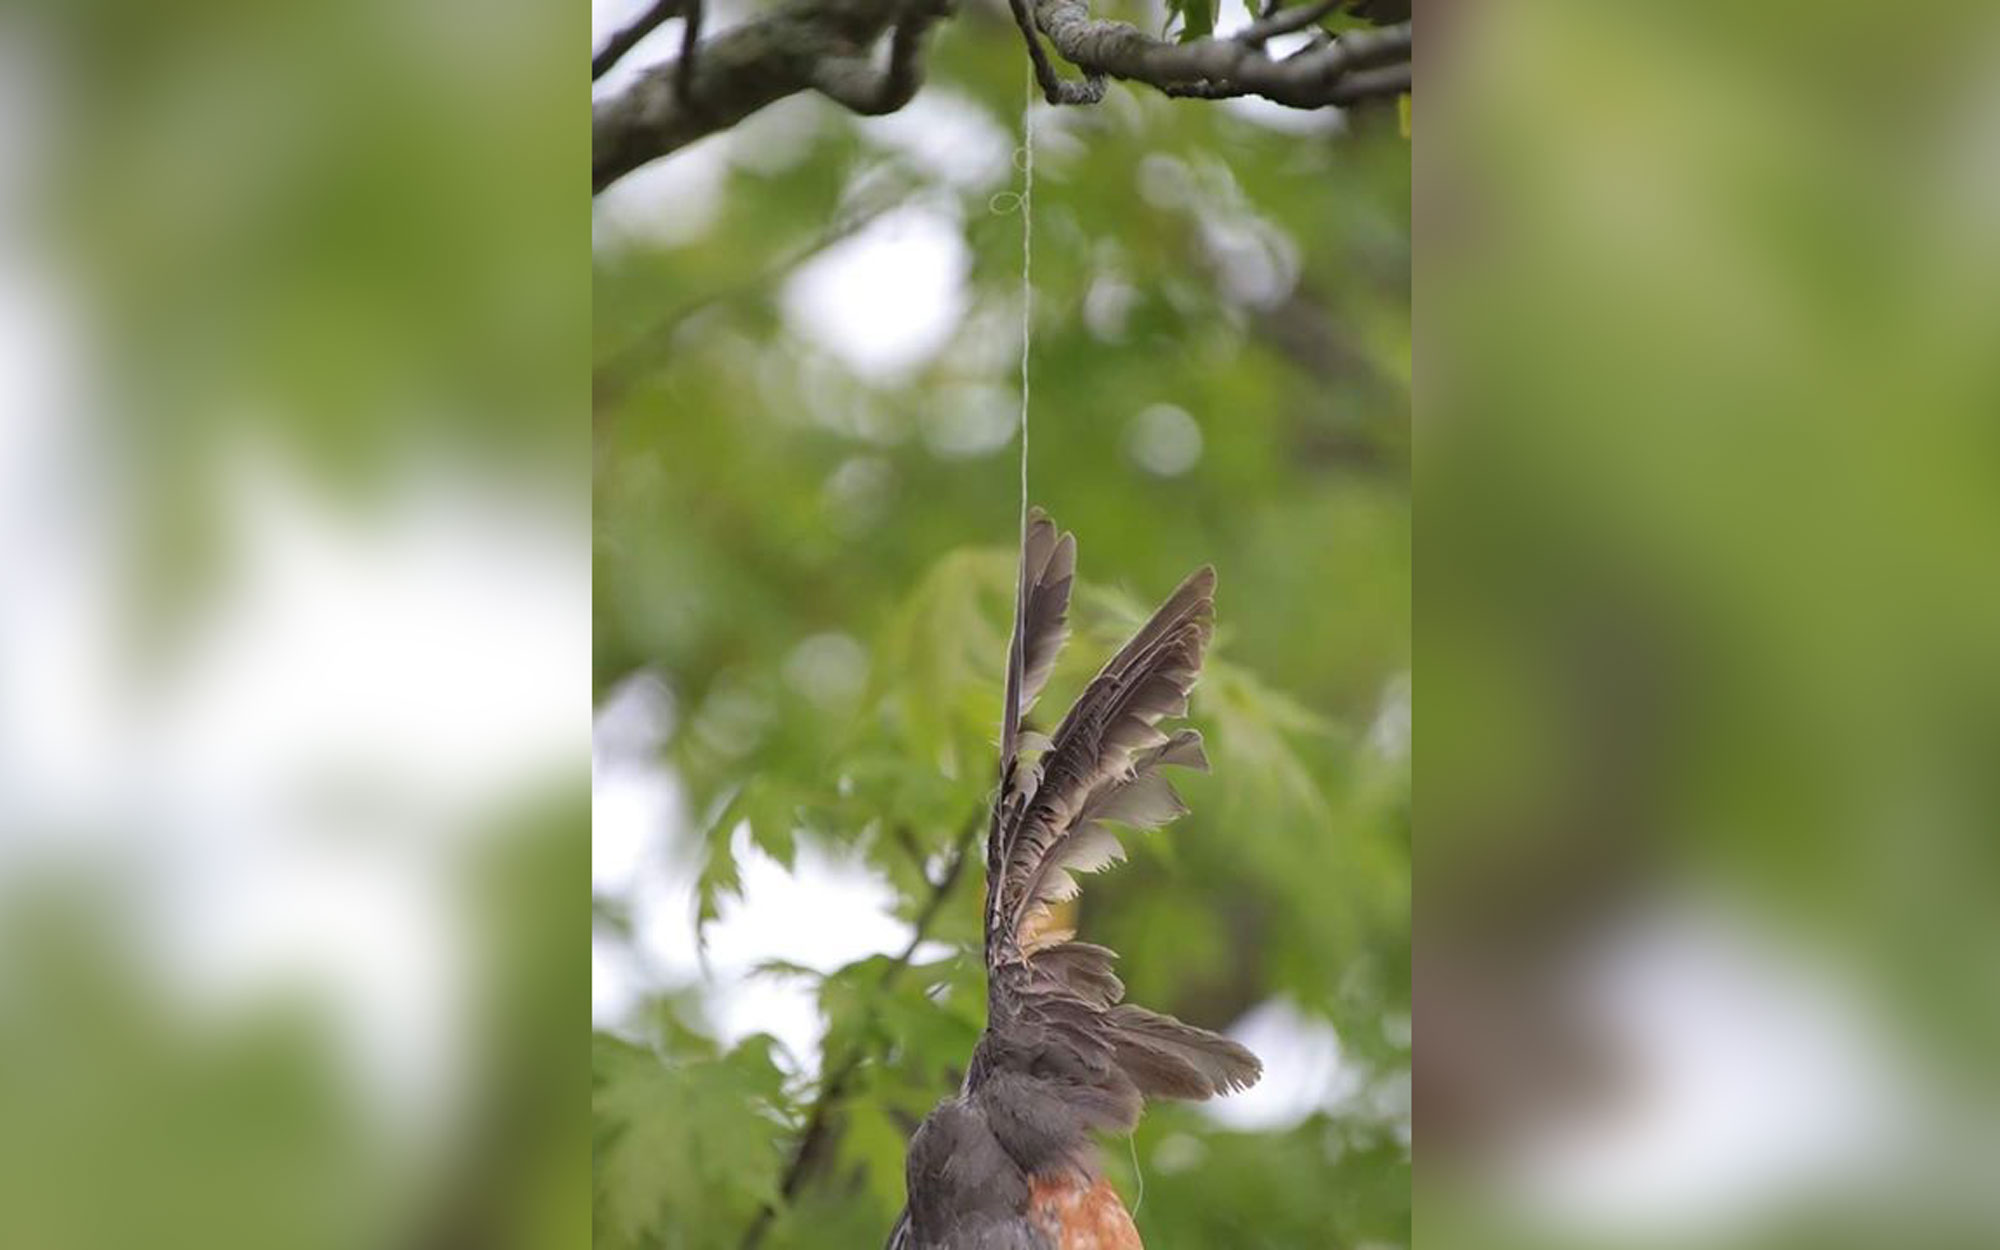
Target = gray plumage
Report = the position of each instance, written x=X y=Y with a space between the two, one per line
x=1062 y=1057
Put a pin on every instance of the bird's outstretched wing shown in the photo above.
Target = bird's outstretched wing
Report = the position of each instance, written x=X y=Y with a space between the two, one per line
x=1101 y=765
x=1008 y=1162
x=1058 y=799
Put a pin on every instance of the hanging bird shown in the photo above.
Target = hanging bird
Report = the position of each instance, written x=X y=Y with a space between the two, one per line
x=1009 y=1163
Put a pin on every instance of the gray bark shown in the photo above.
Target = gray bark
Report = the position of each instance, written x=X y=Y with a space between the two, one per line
x=830 y=46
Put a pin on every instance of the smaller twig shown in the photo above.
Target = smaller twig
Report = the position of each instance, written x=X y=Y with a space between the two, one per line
x=1374 y=45
x=628 y=37
x=1284 y=22
x=906 y=838
x=1055 y=88
x=690 y=39
x=1384 y=82
x=854 y=83
x=1318 y=41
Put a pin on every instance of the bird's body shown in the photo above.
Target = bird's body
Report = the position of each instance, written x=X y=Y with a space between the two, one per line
x=976 y=1197
x=1010 y=1162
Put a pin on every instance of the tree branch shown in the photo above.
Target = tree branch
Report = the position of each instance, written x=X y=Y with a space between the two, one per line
x=1275 y=22
x=628 y=37
x=1360 y=65
x=808 y=1156
x=1055 y=89
x=829 y=46
x=690 y=52
x=854 y=83
x=821 y=45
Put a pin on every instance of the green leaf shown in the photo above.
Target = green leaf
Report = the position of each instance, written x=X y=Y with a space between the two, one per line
x=875 y=1141
x=783 y=970
x=1255 y=728
x=1197 y=19
x=719 y=876
x=850 y=998
x=685 y=1152
x=766 y=809
x=937 y=684
x=774 y=820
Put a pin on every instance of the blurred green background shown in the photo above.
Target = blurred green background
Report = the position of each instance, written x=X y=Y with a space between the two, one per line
x=294 y=687
x=293 y=676
x=806 y=496
x=1710 y=516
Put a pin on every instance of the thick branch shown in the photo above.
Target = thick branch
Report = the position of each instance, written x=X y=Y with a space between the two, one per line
x=830 y=46
x=822 y=45
x=1360 y=65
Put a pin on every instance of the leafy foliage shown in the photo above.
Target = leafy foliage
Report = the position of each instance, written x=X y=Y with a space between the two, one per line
x=682 y=1153
x=816 y=561
x=1197 y=17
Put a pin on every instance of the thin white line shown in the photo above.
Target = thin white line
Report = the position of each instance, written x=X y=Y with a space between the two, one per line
x=1027 y=271
x=1139 y=1199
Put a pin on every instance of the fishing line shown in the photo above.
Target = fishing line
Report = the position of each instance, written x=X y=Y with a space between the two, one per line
x=1022 y=201
x=1138 y=1200
x=1027 y=163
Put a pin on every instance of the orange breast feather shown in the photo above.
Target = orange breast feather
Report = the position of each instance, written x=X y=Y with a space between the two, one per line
x=1076 y=1214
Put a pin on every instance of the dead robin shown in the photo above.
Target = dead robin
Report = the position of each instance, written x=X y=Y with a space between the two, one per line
x=1010 y=1163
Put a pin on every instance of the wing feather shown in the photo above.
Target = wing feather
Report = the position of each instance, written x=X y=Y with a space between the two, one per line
x=1101 y=766
x=1055 y=1004
x=1041 y=615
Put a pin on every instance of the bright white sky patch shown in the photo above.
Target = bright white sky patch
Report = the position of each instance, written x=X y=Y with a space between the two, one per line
x=886 y=300
x=948 y=136
x=432 y=651
x=1232 y=16
x=661 y=44
x=667 y=202
x=1757 y=1080
x=287 y=790
x=358 y=697
x=633 y=801
x=828 y=911
x=1303 y=1070
x=614 y=983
